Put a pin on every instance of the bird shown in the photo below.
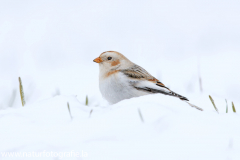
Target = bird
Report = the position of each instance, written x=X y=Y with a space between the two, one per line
x=121 y=79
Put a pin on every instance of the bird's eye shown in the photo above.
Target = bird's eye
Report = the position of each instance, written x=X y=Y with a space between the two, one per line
x=109 y=58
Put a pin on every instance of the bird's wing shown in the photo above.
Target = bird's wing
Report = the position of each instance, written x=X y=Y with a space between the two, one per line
x=142 y=80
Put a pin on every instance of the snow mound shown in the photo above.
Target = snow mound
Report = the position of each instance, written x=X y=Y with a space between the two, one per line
x=148 y=127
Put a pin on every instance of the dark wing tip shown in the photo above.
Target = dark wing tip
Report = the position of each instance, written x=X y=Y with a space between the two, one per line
x=179 y=96
x=160 y=84
x=184 y=98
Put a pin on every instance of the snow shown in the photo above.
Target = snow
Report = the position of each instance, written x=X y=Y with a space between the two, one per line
x=51 y=46
x=170 y=129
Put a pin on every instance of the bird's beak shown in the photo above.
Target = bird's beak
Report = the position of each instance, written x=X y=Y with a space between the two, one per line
x=97 y=60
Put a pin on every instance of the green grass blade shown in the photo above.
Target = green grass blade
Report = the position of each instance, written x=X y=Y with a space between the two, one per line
x=213 y=103
x=21 y=91
x=233 y=107
x=86 y=103
x=226 y=106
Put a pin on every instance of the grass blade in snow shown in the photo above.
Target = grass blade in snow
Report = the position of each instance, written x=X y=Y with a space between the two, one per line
x=140 y=114
x=213 y=103
x=90 y=113
x=69 y=110
x=233 y=107
x=21 y=91
x=86 y=103
x=226 y=106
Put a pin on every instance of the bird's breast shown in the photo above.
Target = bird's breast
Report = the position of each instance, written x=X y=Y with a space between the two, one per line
x=116 y=87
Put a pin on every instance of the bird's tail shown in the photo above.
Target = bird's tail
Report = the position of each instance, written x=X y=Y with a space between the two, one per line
x=192 y=105
x=178 y=95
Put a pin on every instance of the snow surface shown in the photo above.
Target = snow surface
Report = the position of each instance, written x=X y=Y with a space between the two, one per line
x=170 y=129
x=51 y=45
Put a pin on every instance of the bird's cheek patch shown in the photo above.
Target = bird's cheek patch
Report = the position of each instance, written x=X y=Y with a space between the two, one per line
x=114 y=63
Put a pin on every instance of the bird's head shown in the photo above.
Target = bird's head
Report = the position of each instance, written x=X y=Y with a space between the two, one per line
x=112 y=60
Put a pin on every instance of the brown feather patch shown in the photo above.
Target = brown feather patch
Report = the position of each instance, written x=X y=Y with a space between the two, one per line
x=111 y=72
x=108 y=51
x=160 y=83
x=153 y=79
x=113 y=52
x=114 y=63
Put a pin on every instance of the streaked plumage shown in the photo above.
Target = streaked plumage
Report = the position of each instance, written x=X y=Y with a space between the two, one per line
x=138 y=72
x=120 y=79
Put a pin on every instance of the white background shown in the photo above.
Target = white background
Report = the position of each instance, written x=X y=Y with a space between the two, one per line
x=51 y=46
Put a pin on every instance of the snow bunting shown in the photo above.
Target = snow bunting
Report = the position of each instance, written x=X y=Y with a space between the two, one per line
x=120 y=79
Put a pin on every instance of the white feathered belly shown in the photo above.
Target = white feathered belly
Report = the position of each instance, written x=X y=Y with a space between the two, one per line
x=117 y=87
